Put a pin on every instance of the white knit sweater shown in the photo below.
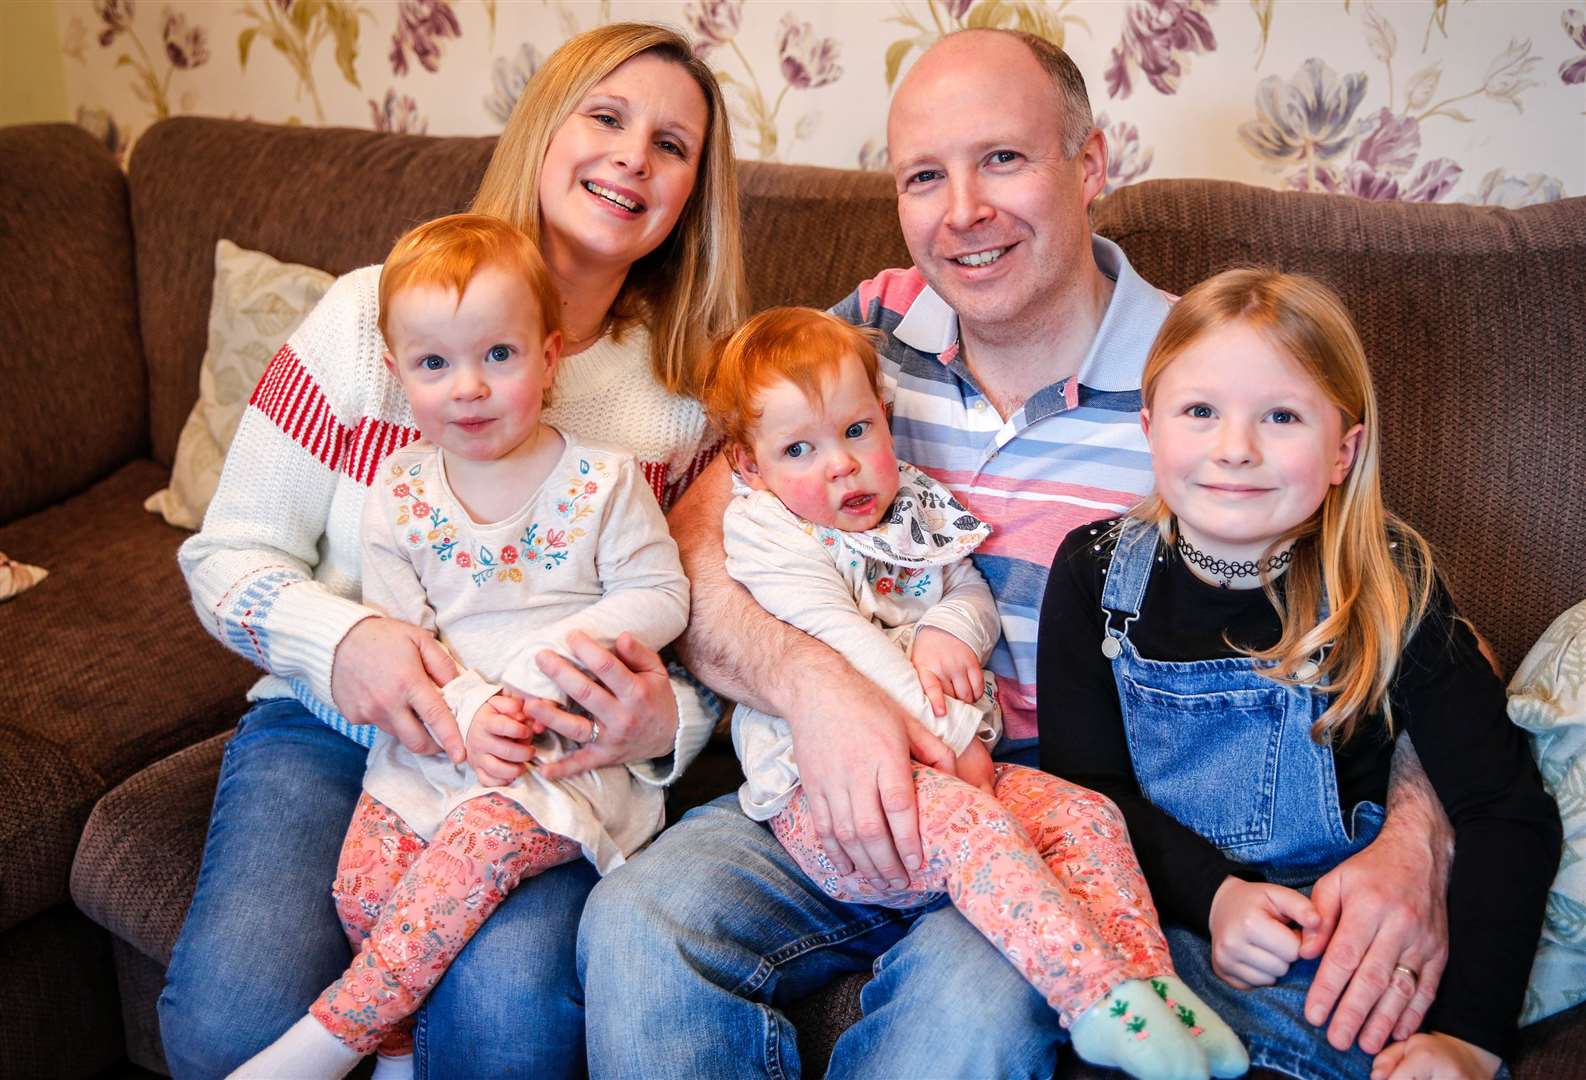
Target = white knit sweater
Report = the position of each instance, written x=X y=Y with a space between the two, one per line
x=274 y=572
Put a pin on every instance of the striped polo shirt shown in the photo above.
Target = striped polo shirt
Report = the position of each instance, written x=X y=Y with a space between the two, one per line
x=1072 y=455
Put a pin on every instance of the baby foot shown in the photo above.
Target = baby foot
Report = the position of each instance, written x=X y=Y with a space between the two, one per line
x=393 y=1067
x=306 y=1050
x=1224 y=1052
x=1134 y=1030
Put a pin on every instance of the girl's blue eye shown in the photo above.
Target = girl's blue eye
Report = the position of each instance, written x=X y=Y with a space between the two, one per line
x=432 y=362
x=498 y=353
x=857 y=429
x=1283 y=416
x=798 y=449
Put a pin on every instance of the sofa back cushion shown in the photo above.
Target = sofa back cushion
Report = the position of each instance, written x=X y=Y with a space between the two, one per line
x=337 y=198
x=73 y=402
x=1475 y=323
x=330 y=198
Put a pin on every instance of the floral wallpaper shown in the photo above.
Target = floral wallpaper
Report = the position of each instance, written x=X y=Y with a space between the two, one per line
x=1480 y=101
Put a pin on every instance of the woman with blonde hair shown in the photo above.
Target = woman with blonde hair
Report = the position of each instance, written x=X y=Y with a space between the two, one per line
x=618 y=162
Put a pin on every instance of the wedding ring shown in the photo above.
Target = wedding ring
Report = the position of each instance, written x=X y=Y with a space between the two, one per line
x=594 y=737
x=1414 y=977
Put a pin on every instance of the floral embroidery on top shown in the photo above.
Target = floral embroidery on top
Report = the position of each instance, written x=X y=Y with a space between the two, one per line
x=905 y=580
x=546 y=546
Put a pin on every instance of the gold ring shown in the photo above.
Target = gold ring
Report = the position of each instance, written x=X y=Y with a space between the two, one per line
x=1414 y=977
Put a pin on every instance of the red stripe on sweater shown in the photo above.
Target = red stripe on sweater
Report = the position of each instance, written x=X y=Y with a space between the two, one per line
x=655 y=476
x=700 y=463
x=288 y=395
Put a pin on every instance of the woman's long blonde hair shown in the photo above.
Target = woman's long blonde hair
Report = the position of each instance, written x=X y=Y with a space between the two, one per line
x=1376 y=569
x=689 y=289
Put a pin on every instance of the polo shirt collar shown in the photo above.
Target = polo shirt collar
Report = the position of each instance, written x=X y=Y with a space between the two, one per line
x=1122 y=341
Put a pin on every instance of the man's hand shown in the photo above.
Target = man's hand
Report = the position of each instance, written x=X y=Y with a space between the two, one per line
x=852 y=743
x=627 y=690
x=975 y=767
x=501 y=740
x=1435 y=1057
x=386 y=673
x=1385 y=920
x=1254 y=939
x=946 y=666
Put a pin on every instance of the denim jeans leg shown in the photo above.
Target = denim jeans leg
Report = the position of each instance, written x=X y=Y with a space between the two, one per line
x=261 y=937
x=1270 y=1019
x=687 y=952
x=511 y=1005
x=944 y=1002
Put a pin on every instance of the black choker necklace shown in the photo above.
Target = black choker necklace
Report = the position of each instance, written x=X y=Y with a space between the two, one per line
x=1228 y=571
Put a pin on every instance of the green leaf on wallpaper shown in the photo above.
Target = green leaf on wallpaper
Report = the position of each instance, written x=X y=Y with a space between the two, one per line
x=124 y=60
x=895 y=54
x=1263 y=10
x=343 y=21
x=1380 y=36
x=302 y=14
x=244 y=43
x=1423 y=84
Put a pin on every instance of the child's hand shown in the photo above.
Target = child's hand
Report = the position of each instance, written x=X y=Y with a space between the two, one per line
x=500 y=740
x=1253 y=935
x=946 y=666
x=974 y=767
x=1434 y=1057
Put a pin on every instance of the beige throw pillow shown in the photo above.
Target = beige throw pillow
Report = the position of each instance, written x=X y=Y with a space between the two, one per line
x=258 y=301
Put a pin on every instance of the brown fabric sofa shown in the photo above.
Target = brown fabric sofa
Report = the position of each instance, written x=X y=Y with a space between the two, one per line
x=114 y=705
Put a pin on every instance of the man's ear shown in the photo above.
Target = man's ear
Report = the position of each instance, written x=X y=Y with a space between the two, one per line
x=1093 y=165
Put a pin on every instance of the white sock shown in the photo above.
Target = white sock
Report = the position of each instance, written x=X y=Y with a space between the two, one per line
x=306 y=1052
x=393 y=1068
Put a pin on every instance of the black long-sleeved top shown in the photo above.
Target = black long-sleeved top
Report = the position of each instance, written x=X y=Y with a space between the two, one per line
x=1445 y=697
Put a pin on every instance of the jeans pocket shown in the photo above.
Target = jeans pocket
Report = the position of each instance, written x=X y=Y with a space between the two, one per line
x=1209 y=758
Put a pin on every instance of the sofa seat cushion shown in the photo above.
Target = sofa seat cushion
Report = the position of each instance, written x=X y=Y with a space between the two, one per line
x=107 y=669
x=137 y=864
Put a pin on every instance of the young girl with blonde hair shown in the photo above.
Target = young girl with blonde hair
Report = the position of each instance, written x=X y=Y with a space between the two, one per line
x=835 y=536
x=1234 y=659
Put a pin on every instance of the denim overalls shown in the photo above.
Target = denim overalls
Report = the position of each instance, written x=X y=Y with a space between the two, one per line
x=1222 y=749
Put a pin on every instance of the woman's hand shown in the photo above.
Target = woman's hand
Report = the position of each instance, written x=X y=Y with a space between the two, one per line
x=1434 y=1057
x=946 y=666
x=627 y=691
x=386 y=673
x=1254 y=935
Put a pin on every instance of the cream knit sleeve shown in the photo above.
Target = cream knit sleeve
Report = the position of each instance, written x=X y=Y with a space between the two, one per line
x=251 y=568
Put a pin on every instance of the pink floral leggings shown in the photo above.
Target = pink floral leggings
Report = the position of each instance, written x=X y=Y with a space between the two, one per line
x=1044 y=870
x=409 y=908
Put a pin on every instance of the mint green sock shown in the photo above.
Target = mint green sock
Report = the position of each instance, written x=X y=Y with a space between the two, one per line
x=1133 y=1029
x=1224 y=1052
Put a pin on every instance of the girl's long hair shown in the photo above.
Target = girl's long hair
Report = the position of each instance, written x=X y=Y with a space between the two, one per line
x=690 y=289
x=1377 y=570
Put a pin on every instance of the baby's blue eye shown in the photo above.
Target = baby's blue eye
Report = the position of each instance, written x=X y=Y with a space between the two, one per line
x=857 y=429
x=798 y=449
x=1200 y=412
x=498 y=353
x=432 y=362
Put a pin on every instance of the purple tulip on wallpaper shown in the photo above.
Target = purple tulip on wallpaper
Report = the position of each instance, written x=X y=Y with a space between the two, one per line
x=117 y=17
x=1158 y=38
x=714 y=22
x=1574 y=70
x=508 y=76
x=808 y=61
x=398 y=113
x=185 y=48
x=1127 y=158
x=421 y=25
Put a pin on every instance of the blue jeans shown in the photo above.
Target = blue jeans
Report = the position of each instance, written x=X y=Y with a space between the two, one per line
x=262 y=938
x=688 y=953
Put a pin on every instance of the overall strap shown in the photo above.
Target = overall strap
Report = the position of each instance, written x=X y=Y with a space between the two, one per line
x=1130 y=570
